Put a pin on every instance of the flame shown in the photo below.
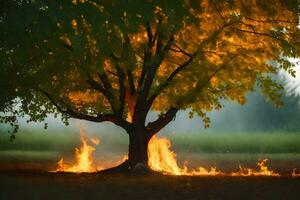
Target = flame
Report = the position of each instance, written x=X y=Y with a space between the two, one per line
x=162 y=159
x=294 y=173
x=263 y=170
x=83 y=155
x=95 y=141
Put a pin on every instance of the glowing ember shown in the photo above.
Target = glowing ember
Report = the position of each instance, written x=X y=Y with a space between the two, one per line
x=295 y=174
x=95 y=141
x=84 y=157
x=162 y=159
x=263 y=170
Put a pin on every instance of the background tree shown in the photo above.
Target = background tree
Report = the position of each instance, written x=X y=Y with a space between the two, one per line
x=117 y=60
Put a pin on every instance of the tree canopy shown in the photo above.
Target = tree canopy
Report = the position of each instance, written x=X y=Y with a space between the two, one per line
x=105 y=60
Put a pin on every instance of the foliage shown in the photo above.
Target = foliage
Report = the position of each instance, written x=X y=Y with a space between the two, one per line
x=102 y=60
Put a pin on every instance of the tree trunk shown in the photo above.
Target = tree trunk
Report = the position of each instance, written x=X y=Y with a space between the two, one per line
x=137 y=156
x=138 y=149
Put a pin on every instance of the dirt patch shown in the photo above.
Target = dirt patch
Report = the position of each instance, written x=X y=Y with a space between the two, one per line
x=41 y=185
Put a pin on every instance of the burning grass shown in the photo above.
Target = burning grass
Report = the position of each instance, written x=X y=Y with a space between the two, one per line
x=295 y=174
x=84 y=158
x=83 y=155
x=161 y=159
x=210 y=150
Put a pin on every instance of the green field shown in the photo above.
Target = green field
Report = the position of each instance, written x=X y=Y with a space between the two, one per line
x=183 y=142
x=224 y=150
x=238 y=142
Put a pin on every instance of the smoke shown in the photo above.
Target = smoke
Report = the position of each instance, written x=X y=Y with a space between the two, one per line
x=257 y=115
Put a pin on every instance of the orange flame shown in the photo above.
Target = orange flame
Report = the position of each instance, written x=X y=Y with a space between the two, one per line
x=162 y=159
x=294 y=173
x=263 y=170
x=84 y=157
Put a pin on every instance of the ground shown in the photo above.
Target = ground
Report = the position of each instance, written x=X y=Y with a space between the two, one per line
x=42 y=185
x=24 y=161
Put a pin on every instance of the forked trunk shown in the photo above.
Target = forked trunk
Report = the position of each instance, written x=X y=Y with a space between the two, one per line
x=139 y=139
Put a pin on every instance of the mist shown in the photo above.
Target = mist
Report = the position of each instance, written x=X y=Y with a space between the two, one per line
x=257 y=115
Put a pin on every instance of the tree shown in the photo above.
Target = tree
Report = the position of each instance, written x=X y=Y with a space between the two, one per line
x=115 y=61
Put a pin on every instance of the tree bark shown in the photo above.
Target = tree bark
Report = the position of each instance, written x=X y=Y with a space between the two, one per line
x=137 y=155
x=140 y=135
x=138 y=148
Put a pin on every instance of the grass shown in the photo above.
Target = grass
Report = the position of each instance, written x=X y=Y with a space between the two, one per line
x=226 y=151
x=251 y=143
x=267 y=143
x=17 y=155
x=205 y=149
x=33 y=140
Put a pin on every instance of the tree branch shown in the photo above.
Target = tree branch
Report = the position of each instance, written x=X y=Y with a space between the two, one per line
x=200 y=85
x=258 y=33
x=155 y=65
x=96 y=86
x=149 y=34
x=162 y=121
x=74 y=114
x=147 y=53
x=113 y=73
x=272 y=21
x=131 y=82
x=179 y=49
x=141 y=108
x=105 y=81
x=219 y=12
x=159 y=38
x=222 y=67
x=185 y=64
x=121 y=76
x=169 y=80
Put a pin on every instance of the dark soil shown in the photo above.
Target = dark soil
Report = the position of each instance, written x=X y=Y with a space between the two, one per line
x=31 y=185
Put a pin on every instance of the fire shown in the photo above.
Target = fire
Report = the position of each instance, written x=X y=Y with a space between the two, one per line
x=263 y=170
x=162 y=159
x=295 y=174
x=83 y=155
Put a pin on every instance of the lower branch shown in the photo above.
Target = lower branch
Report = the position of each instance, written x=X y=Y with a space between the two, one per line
x=162 y=121
x=73 y=114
